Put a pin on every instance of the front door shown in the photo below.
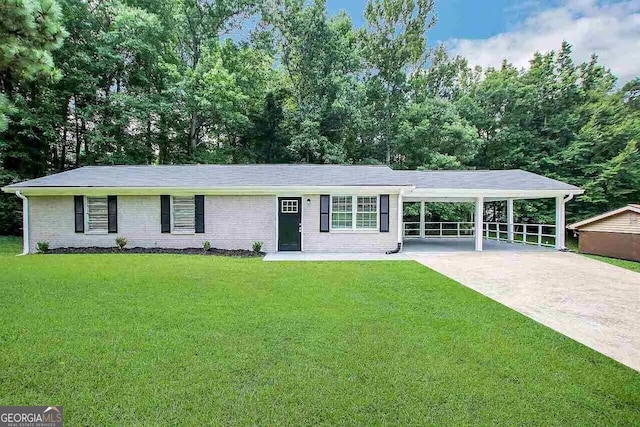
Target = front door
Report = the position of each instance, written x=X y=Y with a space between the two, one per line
x=289 y=223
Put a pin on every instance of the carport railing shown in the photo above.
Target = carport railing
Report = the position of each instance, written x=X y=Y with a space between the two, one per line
x=530 y=234
x=439 y=229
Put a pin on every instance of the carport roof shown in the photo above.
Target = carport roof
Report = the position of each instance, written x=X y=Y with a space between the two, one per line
x=288 y=175
x=513 y=179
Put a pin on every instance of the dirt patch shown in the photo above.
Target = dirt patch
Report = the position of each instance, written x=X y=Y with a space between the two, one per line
x=185 y=251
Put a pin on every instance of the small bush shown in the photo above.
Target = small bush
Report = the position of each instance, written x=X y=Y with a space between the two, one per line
x=121 y=242
x=206 y=246
x=42 y=246
x=257 y=246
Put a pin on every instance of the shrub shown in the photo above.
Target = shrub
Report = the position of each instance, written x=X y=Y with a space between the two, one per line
x=257 y=246
x=121 y=242
x=42 y=246
x=206 y=245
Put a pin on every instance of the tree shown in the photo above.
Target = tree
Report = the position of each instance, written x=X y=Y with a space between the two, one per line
x=394 y=47
x=29 y=31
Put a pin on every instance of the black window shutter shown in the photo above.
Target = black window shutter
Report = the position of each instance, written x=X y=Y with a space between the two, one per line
x=199 y=214
x=324 y=213
x=78 y=206
x=112 y=204
x=384 y=213
x=165 y=213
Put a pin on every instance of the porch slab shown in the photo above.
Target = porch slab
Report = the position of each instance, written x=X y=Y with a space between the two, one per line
x=310 y=256
x=462 y=244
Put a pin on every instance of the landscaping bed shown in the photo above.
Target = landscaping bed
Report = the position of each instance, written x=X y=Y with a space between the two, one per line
x=184 y=251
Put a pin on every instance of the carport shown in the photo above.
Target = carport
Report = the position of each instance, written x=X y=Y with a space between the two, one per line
x=478 y=188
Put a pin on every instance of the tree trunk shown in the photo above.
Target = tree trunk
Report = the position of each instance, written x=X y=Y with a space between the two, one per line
x=78 y=140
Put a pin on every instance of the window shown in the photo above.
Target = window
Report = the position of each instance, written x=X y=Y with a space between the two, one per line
x=341 y=212
x=289 y=206
x=183 y=216
x=97 y=215
x=367 y=212
x=364 y=208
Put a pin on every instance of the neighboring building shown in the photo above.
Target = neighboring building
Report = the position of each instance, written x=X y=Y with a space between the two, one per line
x=316 y=208
x=614 y=234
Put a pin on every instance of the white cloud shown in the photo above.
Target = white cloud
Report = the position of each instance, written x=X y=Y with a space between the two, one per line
x=611 y=31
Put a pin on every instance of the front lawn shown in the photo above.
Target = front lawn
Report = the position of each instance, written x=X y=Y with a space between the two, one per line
x=177 y=339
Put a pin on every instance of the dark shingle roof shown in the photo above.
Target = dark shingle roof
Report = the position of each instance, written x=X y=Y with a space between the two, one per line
x=303 y=175
x=203 y=176
x=514 y=179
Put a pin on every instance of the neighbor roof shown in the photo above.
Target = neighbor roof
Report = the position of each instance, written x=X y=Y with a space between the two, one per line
x=628 y=208
x=289 y=175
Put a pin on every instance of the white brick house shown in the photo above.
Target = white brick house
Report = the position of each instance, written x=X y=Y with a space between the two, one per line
x=315 y=208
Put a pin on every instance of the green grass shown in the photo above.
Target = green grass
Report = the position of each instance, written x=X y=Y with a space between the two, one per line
x=171 y=339
x=629 y=265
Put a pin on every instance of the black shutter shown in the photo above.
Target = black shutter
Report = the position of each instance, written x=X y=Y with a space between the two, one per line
x=78 y=205
x=199 y=214
x=112 y=208
x=324 y=213
x=384 y=213
x=165 y=214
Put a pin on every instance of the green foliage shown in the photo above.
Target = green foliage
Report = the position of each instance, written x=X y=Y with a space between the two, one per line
x=121 y=242
x=146 y=82
x=206 y=246
x=42 y=246
x=257 y=246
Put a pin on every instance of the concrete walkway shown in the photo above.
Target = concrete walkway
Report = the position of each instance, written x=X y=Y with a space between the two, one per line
x=310 y=256
x=595 y=303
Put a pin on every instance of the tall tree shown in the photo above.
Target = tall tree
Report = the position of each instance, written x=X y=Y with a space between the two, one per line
x=395 y=49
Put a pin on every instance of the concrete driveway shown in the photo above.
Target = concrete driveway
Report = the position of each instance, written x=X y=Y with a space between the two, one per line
x=590 y=301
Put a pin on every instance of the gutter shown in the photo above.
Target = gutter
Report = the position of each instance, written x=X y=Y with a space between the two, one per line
x=25 y=223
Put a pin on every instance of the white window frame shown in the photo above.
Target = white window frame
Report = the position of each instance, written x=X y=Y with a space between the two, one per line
x=86 y=215
x=354 y=214
x=189 y=231
x=289 y=203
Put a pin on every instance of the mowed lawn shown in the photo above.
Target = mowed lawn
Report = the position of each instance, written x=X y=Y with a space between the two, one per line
x=172 y=339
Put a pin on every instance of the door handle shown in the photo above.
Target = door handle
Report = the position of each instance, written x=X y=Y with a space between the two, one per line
x=300 y=228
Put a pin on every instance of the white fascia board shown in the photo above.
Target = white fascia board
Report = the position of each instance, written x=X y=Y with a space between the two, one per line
x=252 y=190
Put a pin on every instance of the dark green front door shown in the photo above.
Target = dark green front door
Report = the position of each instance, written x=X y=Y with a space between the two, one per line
x=289 y=223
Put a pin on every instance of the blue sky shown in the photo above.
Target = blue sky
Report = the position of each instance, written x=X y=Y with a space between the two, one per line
x=460 y=18
x=488 y=31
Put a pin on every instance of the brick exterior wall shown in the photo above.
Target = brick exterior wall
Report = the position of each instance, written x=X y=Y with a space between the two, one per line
x=231 y=222
x=616 y=245
x=346 y=241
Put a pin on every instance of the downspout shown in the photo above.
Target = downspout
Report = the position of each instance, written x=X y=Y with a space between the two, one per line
x=568 y=198
x=400 y=225
x=25 y=223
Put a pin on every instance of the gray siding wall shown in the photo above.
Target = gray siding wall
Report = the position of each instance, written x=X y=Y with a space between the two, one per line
x=346 y=241
x=231 y=222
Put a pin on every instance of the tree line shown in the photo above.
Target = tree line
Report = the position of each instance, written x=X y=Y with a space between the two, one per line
x=280 y=81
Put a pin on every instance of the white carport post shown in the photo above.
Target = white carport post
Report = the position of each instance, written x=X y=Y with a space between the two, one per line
x=510 y=220
x=479 y=224
x=422 y=219
x=400 y=219
x=560 y=225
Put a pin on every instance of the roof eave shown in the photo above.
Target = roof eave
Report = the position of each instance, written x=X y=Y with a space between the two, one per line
x=228 y=190
x=577 y=225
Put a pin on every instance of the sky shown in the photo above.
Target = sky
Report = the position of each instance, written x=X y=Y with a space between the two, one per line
x=488 y=31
